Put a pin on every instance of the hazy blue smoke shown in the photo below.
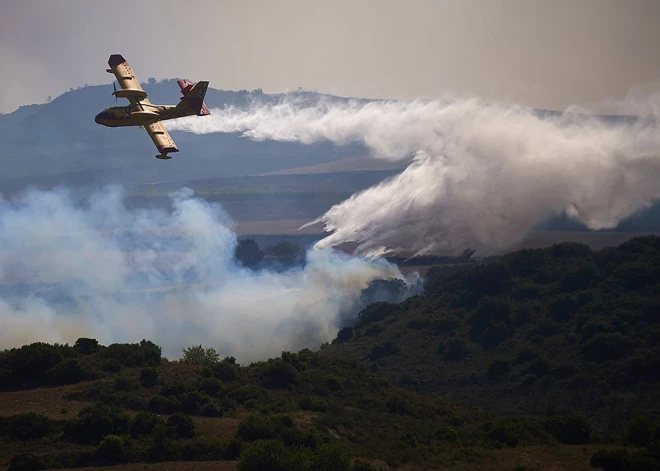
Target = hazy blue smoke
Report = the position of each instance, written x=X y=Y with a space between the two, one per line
x=94 y=268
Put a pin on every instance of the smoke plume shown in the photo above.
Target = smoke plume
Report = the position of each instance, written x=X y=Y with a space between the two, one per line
x=481 y=176
x=95 y=268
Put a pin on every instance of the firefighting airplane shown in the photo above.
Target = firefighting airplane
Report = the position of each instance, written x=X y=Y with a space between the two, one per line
x=141 y=112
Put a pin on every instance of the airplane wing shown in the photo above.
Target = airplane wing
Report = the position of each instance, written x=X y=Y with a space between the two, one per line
x=161 y=138
x=130 y=87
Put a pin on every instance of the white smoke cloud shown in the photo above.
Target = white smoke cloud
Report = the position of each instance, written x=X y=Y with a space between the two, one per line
x=71 y=269
x=482 y=174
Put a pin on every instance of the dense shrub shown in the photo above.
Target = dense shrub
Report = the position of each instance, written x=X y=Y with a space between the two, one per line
x=446 y=434
x=640 y=430
x=277 y=374
x=69 y=371
x=28 y=426
x=497 y=368
x=210 y=409
x=611 y=460
x=312 y=403
x=398 y=404
x=124 y=383
x=383 y=350
x=257 y=427
x=563 y=307
x=391 y=290
x=210 y=386
x=30 y=363
x=376 y=312
x=163 y=404
x=111 y=449
x=225 y=370
x=603 y=347
x=148 y=377
x=177 y=388
x=272 y=455
x=191 y=402
x=495 y=333
x=490 y=279
x=145 y=353
x=507 y=432
x=287 y=252
x=95 y=422
x=332 y=382
x=455 y=348
x=344 y=334
x=180 y=426
x=87 y=346
x=331 y=457
x=248 y=253
x=490 y=309
x=26 y=462
x=571 y=430
x=144 y=423
x=111 y=365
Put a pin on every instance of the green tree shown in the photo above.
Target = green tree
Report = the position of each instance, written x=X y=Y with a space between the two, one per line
x=95 y=422
x=198 y=355
x=248 y=252
x=272 y=455
x=181 y=426
x=144 y=423
x=111 y=449
x=69 y=371
x=288 y=252
x=571 y=430
x=28 y=426
x=87 y=346
x=640 y=430
x=148 y=377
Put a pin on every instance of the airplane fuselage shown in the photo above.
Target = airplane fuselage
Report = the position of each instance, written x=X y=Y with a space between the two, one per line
x=136 y=114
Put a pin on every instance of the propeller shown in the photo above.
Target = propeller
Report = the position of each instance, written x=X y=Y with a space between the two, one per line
x=115 y=91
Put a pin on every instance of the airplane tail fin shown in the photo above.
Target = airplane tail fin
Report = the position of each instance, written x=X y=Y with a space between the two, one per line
x=193 y=96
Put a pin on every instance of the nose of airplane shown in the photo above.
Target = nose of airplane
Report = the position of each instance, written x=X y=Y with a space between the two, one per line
x=97 y=118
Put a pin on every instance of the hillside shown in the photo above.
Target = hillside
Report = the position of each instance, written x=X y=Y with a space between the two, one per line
x=544 y=359
x=560 y=330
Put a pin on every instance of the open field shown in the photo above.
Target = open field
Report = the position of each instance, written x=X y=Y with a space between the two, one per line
x=169 y=466
x=350 y=164
x=547 y=458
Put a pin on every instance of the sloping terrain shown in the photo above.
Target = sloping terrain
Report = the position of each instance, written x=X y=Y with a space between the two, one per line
x=544 y=359
x=561 y=330
x=350 y=164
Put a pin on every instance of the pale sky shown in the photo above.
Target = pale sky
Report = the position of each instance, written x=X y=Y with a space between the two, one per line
x=550 y=53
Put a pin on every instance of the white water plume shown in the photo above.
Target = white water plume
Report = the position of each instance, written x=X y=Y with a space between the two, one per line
x=97 y=269
x=482 y=174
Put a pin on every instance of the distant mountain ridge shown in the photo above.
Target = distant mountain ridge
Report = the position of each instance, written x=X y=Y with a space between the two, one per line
x=59 y=143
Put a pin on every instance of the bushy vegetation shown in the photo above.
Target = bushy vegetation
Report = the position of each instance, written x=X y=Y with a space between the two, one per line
x=560 y=331
x=41 y=364
x=552 y=348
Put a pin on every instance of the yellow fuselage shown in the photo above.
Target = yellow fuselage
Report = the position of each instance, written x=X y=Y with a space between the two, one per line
x=136 y=114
